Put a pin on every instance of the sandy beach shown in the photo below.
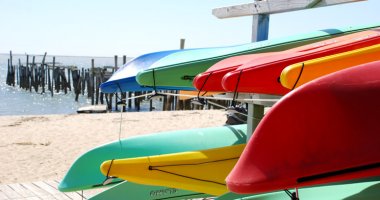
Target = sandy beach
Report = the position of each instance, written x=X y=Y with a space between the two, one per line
x=42 y=147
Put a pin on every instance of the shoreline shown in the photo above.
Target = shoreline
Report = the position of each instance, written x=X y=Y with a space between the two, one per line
x=43 y=147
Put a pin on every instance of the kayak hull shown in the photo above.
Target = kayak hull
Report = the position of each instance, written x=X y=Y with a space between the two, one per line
x=179 y=69
x=85 y=174
x=263 y=76
x=333 y=125
x=200 y=171
x=298 y=74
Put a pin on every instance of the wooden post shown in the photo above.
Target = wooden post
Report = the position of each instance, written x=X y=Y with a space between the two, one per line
x=69 y=78
x=150 y=105
x=129 y=100
x=27 y=73
x=97 y=85
x=88 y=82
x=77 y=81
x=12 y=74
x=137 y=101
x=51 y=81
x=43 y=73
x=101 y=81
x=35 y=78
x=8 y=74
x=124 y=94
x=92 y=81
x=116 y=95
x=83 y=82
x=18 y=73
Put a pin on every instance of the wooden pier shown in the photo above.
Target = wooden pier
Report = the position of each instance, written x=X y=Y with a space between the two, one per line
x=52 y=77
x=45 y=190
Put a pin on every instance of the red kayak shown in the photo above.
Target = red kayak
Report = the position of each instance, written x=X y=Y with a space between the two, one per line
x=211 y=80
x=323 y=132
x=261 y=75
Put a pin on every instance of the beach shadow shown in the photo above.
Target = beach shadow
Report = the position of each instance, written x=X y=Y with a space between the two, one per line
x=240 y=135
x=372 y=192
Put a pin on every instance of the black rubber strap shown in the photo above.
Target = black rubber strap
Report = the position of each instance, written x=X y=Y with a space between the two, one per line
x=189 y=177
x=299 y=76
x=235 y=92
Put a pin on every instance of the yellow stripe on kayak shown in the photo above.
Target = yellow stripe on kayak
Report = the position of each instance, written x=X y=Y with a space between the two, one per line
x=200 y=171
x=300 y=73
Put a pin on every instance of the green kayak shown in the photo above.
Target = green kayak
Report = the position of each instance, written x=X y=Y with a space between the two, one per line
x=132 y=191
x=351 y=191
x=179 y=68
x=85 y=173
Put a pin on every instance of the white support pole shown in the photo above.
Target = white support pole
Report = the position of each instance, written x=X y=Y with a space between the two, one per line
x=260 y=27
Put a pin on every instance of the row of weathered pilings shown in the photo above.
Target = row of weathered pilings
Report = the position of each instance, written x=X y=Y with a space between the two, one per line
x=52 y=77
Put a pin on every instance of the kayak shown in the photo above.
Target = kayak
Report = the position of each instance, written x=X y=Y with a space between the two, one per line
x=132 y=191
x=200 y=171
x=350 y=191
x=211 y=79
x=124 y=79
x=262 y=75
x=85 y=174
x=298 y=74
x=324 y=132
x=179 y=69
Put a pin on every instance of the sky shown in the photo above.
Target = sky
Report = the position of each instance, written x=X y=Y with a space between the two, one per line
x=132 y=28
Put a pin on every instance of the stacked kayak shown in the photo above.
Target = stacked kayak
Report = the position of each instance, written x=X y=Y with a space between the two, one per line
x=298 y=74
x=85 y=173
x=211 y=79
x=348 y=191
x=315 y=135
x=324 y=132
x=125 y=78
x=200 y=171
x=131 y=191
x=262 y=75
x=179 y=68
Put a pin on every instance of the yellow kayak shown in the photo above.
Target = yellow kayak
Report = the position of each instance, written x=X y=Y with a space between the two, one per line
x=201 y=171
x=298 y=74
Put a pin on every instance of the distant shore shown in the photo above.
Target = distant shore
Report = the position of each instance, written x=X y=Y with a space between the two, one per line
x=43 y=147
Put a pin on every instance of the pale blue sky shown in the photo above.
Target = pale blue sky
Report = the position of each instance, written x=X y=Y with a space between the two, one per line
x=125 y=27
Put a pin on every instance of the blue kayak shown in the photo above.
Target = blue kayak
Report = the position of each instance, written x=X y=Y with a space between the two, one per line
x=124 y=79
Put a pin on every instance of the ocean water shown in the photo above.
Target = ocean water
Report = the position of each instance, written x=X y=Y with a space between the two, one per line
x=17 y=101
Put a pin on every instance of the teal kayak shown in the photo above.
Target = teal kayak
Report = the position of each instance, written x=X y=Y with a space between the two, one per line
x=85 y=173
x=351 y=191
x=179 y=68
x=132 y=191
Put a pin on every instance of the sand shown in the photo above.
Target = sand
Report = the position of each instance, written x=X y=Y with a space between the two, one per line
x=36 y=148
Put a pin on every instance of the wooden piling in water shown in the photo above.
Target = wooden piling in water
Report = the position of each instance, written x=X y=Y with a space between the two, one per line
x=28 y=85
x=83 y=81
x=18 y=74
x=43 y=73
x=91 y=77
x=69 y=78
x=50 y=83
x=12 y=70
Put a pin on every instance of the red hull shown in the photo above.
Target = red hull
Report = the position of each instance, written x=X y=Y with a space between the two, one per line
x=261 y=75
x=211 y=80
x=323 y=132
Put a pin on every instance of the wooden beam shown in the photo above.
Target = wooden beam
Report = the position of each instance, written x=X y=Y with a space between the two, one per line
x=273 y=6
